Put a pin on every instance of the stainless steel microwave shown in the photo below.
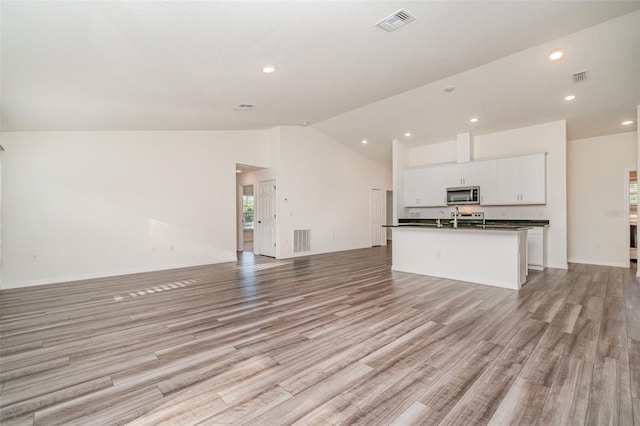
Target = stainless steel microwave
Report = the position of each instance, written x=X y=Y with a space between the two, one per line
x=463 y=195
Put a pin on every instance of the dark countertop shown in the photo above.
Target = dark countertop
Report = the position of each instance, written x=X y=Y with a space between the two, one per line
x=461 y=226
x=500 y=222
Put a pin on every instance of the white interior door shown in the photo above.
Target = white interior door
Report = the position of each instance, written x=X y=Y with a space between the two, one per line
x=266 y=215
x=376 y=217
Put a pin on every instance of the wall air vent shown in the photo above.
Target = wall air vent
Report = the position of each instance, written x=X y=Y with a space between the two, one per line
x=244 y=106
x=396 y=20
x=301 y=240
x=579 y=77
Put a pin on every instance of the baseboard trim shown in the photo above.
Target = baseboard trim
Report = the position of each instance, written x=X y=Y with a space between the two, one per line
x=599 y=263
x=71 y=278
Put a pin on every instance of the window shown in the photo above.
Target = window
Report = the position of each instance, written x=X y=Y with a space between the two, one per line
x=247 y=212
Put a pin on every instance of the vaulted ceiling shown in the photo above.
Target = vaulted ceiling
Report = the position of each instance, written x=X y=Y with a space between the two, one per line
x=187 y=65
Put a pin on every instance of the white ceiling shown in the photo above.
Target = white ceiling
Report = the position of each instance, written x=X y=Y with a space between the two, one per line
x=169 y=65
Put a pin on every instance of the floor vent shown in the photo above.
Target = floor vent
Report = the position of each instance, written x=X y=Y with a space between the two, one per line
x=580 y=76
x=396 y=20
x=301 y=240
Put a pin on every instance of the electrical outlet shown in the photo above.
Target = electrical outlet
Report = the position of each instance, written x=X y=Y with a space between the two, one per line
x=35 y=258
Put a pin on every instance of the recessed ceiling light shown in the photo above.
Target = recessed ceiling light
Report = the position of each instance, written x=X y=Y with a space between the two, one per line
x=474 y=119
x=364 y=141
x=268 y=70
x=407 y=134
x=305 y=123
x=449 y=89
x=569 y=98
x=238 y=171
x=627 y=122
x=554 y=56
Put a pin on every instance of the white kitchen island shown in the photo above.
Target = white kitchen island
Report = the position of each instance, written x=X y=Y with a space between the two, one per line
x=494 y=256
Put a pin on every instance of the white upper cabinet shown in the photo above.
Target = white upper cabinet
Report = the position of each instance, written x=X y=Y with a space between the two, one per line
x=439 y=189
x=508 y=175
x=463 y=174
x=504 y=181
x=488 y=181
x=416 y=188
x=521 y=180
x=532 y=180
x=425 y=187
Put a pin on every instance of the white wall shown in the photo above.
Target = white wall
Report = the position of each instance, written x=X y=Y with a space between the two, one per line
x=547 y=137
x=90 y=204
x=327 y=187
x=443 y=152
x=401 y=161
x=597 y=175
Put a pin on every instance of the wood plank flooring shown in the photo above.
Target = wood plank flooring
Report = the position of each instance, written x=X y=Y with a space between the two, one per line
x=322 y=340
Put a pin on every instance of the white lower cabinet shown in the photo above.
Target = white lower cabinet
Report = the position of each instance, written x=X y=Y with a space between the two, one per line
x=535 y=247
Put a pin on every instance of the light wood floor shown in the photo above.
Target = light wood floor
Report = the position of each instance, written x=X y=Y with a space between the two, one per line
x=328 y=339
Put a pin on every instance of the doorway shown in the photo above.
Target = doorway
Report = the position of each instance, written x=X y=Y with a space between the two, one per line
x=632 y=199
x=248 y=211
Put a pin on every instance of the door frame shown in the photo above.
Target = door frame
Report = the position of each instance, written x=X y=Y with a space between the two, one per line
x=239 y=224
x=627 y=222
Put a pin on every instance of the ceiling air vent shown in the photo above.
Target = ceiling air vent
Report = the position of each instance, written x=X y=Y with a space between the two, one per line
x=396 y=20
x=244 y=106
x=579 y=77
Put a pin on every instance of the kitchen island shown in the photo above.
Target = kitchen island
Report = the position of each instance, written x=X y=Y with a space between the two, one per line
x=492 y=255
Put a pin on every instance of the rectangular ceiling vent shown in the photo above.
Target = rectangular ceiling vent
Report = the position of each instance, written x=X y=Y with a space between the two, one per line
x=579 y=77
x=396 y=20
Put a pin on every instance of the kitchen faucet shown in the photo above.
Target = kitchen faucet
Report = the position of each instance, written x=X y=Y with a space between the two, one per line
x=455 y=217
x=440 y=213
